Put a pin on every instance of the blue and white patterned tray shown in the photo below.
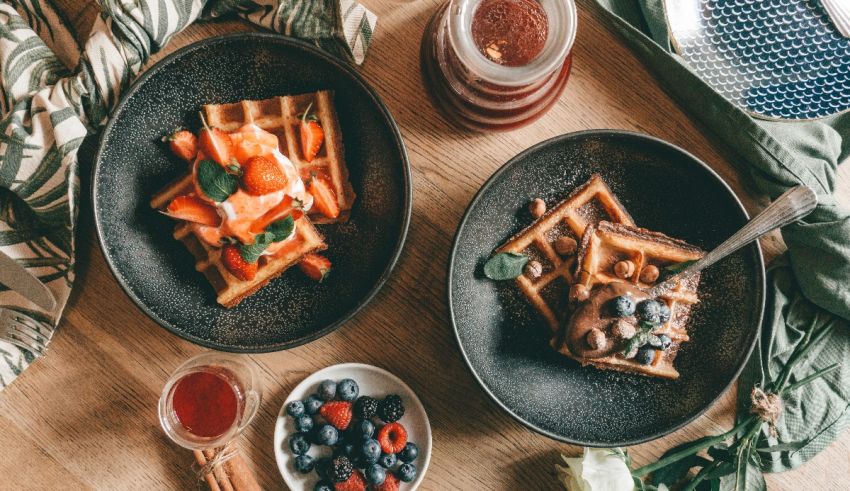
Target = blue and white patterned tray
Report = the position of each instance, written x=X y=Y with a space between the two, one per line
x=777 y=59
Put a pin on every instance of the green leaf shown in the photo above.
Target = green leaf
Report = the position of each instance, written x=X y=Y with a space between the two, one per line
x=676 y=471
x=276 y=231
x=215 y=182
x=679 y=267
x=505 y=266
x=281 y=229
x=785 y=447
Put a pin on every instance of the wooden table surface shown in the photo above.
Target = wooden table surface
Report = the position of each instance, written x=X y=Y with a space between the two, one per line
x=85 y=415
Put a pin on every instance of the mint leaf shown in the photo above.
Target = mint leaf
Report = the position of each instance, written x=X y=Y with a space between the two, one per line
x=505 y=266
x=678 y=267
x=215 y=182
x=276 y=231
x=281 y=229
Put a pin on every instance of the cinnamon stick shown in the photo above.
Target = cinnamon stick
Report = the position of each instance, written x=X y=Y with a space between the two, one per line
x=232 y=475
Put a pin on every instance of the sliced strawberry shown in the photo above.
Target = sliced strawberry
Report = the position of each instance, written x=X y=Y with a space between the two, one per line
x=354 y=483
x=285 y=207
x=215 y=143
x=261 y=175
x=337 y=413
x=236 y=264
x=392 y=437
x=390 y=484
x=312 y=135
x=193 y=209
x=316 y=267
x=184 y=144
x=324 y=197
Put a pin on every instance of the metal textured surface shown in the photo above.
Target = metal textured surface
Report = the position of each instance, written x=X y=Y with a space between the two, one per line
x=777 y=59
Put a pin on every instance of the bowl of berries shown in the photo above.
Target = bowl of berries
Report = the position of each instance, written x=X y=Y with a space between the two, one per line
x=352 y=427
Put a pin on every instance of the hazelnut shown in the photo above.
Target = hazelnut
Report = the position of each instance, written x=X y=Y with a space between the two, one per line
x=537 y=208
x=579 y=293
x=596 y=339
x=649 y=274
x=565 y=246
x=624 y=269
x=623 y=329
x=533 y=269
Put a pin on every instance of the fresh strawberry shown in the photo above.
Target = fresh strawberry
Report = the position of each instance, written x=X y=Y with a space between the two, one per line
x=184 y=144
x=337 y=413
x=324 y=197
x=236 y=264
x=261 y=175
x=193 y=209
x=215 y=143
x=316 y=267
x=354 y=483
x=312 y=134
x=390 y=484
x=392 y=437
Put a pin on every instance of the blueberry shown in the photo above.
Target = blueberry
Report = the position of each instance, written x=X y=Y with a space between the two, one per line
x=664 y=313
x=650 y=311
x=324 y=485
x=304 y=464
x=645 y=355
x=304 y=423
x=371 y=451
x=327 y=390
x=313 y=404
x=295 y=409
x=327 y=435
x=623 y=306
x=665 y=341
x=388 y=460
x=364 y=429
x=376 y=475
x=407 y=472
x=299 y=444
x=409 y=453
x=347 y=390
x=322 y=467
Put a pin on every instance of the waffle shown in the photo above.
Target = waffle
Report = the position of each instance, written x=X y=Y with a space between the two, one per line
x=229 y=289
x=588 y=204
x=279 y=115
x=607 y=243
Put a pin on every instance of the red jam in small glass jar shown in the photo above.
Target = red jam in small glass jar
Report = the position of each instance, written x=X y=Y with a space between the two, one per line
x=498 y=64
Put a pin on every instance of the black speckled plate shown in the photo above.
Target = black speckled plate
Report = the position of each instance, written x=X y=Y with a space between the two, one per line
x=158 y=273
x=504 y=341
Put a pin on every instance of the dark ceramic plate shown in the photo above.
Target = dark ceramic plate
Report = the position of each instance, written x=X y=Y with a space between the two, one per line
x=158 y=273
x=504 y=341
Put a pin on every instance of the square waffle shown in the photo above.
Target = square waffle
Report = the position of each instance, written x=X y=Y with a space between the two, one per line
x=587 y=205
x=229 y=289
x=603 y=246
x=280 y=116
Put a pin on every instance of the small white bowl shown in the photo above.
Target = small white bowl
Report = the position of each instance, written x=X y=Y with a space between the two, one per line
x=373 y=381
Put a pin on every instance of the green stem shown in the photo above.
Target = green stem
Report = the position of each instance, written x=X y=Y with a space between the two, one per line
x=691 y=449
x=693 y=483
x=820 y=373
x=809 y=341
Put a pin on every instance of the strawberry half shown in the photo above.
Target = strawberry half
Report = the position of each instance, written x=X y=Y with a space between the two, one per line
x=236 y=264
x=184 y=144
x=337 y=413
x=390 y=484
x=261 y=175
x=312 y=134
x=193 y=209
x=354 y=483
x=324 y=197
x=392 y=437
x=215 y=143
x=315 y=266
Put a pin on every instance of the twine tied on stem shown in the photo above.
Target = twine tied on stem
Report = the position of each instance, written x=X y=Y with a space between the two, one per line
x=767 y=406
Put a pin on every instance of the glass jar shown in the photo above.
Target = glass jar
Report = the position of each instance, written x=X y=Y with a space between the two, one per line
x=474 y=91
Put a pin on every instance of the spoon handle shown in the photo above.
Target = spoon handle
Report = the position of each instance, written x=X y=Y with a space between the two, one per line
x=794 y=204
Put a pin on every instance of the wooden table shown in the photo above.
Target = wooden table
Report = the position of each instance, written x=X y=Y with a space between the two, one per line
x=85 y=415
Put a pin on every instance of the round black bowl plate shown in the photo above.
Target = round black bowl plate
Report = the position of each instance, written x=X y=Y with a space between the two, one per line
x=157 y=271
x=505 y=342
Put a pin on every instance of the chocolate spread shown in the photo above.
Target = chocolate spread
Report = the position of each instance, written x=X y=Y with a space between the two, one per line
x=595 y=313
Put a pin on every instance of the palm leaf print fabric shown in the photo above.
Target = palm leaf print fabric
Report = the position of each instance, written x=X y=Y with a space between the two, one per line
x=53 y=93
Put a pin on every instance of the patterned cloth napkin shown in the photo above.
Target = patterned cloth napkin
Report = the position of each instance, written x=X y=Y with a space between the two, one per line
x=53 y=94
x=809 y=287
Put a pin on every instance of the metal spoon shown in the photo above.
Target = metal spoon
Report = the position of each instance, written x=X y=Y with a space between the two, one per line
x=793 y=205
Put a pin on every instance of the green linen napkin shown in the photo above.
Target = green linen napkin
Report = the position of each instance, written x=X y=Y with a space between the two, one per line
x=809 y=287
x=53 y=94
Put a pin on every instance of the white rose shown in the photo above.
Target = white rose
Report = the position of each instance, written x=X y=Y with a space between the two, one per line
x=599 y=469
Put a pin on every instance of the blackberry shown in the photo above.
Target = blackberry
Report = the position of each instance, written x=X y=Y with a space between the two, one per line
x=391 y=409
x=341 y=469
x=366 y=407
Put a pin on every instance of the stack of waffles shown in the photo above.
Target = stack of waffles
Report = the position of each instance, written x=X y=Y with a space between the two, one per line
x=594 y=217
x=278 y=115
